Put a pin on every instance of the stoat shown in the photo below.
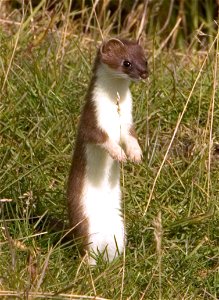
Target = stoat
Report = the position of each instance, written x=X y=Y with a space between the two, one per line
x=105 y=138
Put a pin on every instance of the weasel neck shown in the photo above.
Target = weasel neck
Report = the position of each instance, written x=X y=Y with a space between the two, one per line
x=115 y=88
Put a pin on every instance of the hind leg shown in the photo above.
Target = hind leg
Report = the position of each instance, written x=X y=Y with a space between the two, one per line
x=108 y=243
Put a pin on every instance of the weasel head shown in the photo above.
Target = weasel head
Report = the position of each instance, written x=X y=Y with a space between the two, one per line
x=124 y=59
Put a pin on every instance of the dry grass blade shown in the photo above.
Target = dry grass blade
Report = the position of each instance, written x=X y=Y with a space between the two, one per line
x=164 y=43
x=64 y=34
x=91 y=15
x=143 y=20
x=98 y=24
x=158 y=233
x=8 y=237
x=211 y=114
x=5 y=200
x=46 y=295
x=11 y=22
x=43 y=272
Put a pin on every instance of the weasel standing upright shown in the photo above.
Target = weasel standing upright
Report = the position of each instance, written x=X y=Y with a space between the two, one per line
x=105 y=137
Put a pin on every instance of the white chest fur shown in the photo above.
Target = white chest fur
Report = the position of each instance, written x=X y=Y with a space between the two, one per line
x=101 y=193
x=113 y=104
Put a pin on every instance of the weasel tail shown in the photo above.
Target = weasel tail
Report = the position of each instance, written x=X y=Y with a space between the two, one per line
x=105 y=138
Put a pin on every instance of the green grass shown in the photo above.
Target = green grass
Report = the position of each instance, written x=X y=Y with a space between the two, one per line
x=41 y=99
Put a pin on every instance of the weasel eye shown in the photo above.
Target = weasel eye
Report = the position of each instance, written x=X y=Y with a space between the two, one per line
x=127 y=64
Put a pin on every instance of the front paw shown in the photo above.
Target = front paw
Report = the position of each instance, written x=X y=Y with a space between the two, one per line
x=115 y=151
x=134 y=152
x=118 y=154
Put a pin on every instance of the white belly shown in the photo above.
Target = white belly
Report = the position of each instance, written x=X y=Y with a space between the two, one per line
x=101 y=200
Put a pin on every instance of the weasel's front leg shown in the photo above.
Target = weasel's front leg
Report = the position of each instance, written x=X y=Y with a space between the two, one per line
x=132 y=148
x=114 y=150
x=97 y=136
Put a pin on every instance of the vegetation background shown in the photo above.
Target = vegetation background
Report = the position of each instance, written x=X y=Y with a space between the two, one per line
x=170 y=199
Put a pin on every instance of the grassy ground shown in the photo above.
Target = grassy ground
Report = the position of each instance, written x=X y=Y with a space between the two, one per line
x=170 y=199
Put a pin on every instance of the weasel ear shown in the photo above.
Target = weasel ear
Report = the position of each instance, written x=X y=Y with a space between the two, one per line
x=111 y=45
x=140 y=39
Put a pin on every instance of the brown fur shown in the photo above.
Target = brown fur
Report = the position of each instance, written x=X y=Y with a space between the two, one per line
x=115 y=51
x=88 y=132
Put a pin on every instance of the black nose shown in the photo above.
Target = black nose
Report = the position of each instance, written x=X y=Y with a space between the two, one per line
x=144 y=75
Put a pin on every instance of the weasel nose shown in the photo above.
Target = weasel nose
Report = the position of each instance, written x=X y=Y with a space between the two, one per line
x=144 y=75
